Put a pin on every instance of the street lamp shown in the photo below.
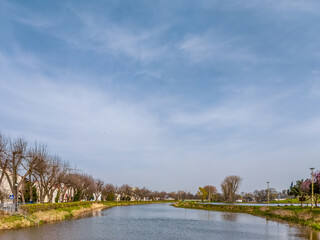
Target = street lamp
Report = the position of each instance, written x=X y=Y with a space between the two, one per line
x=311 y=187
x=268 y=193
x=16 y=197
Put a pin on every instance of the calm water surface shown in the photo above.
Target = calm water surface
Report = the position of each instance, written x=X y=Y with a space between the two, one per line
x=161 y=221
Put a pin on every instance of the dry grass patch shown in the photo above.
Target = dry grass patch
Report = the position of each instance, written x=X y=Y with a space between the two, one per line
x=264 y=209
x=51 y=216
x=305 y=215
x=11 y=222
x=283 y=213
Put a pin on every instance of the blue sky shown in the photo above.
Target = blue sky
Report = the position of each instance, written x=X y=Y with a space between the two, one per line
x=166 y=94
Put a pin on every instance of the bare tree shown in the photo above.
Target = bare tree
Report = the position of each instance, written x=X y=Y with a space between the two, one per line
x=35 y=155
x=98 y=185
x=47 y=173
x=142 y=194
x=108 y=192
x=211 y=190
x=3 y=156
x=229 y=187
x=12 y=166
x=262 y=195
x=125 y=191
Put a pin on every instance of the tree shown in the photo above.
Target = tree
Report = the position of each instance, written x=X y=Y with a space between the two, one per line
x=316 y=187
x=262 y=195
x=248 y=197
x=32 y=195
x=125 y=192
x=13 y=165
x=229 y=187
x=98 y=185
x=202 y=193
x=300 y=189
x=211 y=191
x=3 y=156
x=47 y=172
x=35 y=155
x=108 y=192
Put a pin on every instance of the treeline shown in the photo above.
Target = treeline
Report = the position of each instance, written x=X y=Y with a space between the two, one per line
x=35 y=175
x=229 y=187
x=229 y=192
x=303 y=189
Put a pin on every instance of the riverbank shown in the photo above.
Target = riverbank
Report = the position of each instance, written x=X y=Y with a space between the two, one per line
x=290 y=214
x=53 y=212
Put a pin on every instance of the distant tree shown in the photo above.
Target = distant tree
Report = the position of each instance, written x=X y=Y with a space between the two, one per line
x=300 y=190
x=98 y=186
x=262 y=195
x=108 y=192
x=229 y=187
x=211 y=190
x=202 y=193
x=125 y=191
x=218 y=197
x=283 y=194
x=248 y=197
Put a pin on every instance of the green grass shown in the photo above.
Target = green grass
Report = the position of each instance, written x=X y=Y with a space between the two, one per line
x=12 y=218
x=291 y=214
x=31 y=208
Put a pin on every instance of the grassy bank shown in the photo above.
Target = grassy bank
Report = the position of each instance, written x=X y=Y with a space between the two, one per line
x=291 y=214
x=52 y=212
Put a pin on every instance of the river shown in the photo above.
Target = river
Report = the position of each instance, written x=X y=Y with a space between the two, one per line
x=162 y=221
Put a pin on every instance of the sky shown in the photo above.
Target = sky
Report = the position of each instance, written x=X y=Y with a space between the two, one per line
x=170 y=95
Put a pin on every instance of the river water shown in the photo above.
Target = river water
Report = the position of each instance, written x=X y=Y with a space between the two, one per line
x=162 y=221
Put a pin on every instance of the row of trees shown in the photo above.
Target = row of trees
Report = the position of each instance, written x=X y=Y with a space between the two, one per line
x=229 y=187
x=303 y=189
x=34 y=174
x=229 y=192
x=262 y=195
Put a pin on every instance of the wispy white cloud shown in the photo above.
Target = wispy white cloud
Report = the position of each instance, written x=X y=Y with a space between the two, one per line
x=310 y=6
x=106 y=37
x=198 y=113
x=75 y=115
x=212 y=46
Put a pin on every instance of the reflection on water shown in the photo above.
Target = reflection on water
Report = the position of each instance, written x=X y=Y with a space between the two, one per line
x=95 y=213
x=229 y=216
x=161 y=221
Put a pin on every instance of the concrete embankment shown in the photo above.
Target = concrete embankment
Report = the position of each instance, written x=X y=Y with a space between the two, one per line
x=304 y=216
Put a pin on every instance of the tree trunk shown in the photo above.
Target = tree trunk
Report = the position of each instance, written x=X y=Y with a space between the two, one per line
x=30 y=188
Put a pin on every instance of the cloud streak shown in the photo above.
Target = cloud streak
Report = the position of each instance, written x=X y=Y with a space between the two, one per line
x=176 y=104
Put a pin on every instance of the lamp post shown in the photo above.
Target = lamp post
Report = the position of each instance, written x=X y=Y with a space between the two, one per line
x=311 y=187
x=268 y=193
x=16 y=197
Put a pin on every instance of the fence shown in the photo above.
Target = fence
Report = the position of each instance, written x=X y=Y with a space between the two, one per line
x=12 y=209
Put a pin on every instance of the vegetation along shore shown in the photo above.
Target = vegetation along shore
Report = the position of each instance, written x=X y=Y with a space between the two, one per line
x=34 y=214
x=290 y=214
